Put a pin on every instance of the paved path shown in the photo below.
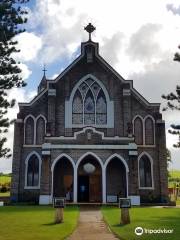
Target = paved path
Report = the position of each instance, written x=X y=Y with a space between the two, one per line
x=177 y=206
x=91 y=226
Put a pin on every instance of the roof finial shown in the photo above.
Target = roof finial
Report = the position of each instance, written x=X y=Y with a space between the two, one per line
x=44 y=70
x=89 y=28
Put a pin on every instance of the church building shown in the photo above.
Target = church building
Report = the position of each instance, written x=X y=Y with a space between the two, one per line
x=89 y=136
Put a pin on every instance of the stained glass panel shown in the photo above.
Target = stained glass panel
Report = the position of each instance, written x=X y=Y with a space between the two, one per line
x=89 y=119
x=95 y=89
x=90 y=96
x=89 y=81
x=83 y=88
x=77 y=118
x=89 y=106
x=77 y=103
x=101 y=103
x=101 y=119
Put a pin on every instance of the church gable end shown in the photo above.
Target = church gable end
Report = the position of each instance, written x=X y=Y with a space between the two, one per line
x=89 y=127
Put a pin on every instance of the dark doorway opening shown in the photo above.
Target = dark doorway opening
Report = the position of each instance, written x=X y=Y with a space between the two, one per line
x=63 y=179
x=115 y=180
x=89 y=180
x=83 y=188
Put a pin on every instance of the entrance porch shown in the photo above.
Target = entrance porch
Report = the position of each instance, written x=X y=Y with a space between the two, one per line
x=103 y=184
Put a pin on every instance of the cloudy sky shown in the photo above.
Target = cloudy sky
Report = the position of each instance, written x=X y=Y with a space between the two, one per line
x=138 y=38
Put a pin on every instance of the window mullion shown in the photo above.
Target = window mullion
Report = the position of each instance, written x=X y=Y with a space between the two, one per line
x=83 y=112
x=95 y=101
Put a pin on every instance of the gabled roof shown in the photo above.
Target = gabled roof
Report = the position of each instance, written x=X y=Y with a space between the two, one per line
x=101 y=60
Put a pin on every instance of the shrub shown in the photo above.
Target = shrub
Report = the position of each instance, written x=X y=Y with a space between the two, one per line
x=4 y=189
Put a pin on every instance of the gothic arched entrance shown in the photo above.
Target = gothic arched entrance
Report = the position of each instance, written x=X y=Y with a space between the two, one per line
x=63 y=179
x=89 y=180
x=116 y=182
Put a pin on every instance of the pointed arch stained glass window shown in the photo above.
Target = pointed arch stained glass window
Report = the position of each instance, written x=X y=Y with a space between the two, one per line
x=89 y=104
x=145 y=172
x=33 y=171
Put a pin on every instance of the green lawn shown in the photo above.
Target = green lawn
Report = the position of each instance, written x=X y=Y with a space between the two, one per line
x=5 y=179
x=177 y=200
x=35 y=223
x=6 y=194
x=174 y=173
x=172 y=179
x=149 y=218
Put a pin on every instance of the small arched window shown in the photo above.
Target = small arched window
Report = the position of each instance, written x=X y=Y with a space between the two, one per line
x=149 y=131
x=33 y=171
x=89 y=105
x=145 y=174
x=40 y=130
x=29 y=131
x=138 y=131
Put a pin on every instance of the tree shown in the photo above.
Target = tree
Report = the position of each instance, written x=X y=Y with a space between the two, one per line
x=173 y=103
x=12 y=17
x=168 y=154
x=169 y=159
x=177 y=56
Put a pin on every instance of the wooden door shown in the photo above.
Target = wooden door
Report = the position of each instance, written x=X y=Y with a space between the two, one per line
x=95 y=192
x=68 y=180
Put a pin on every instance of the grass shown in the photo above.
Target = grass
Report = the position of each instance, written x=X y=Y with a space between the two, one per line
x=4 y=179
x=35 y=222
x=149 y=218
x=6 y=194
x=172 y=179
x=177 y=200
x=174 y=173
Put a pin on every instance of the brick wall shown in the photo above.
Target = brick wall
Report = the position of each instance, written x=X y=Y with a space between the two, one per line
x=126 y=107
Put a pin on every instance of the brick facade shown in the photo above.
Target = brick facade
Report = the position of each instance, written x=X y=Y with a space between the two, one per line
x=41 y=128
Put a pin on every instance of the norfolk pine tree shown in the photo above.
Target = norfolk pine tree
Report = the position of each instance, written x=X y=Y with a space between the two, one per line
x=173 y=103
x=12 y=17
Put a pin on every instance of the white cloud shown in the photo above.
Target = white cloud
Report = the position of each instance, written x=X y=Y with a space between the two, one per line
x=143 y=46
x=157 y=79
x=109 y=49
x=171 y=140
x=54 y=76
x=21 y=95
x=139 y=38
x=175 y=10
x=62 y=24
x=29 y=44
x=26 y=72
